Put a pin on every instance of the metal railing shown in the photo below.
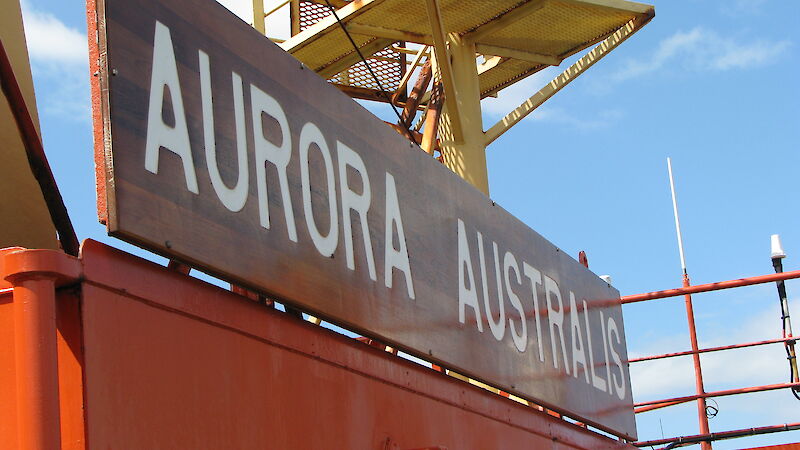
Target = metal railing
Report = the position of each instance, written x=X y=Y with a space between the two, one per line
x=706 y=437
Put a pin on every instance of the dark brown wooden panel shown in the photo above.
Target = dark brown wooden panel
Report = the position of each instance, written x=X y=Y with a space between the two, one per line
x=443 y=218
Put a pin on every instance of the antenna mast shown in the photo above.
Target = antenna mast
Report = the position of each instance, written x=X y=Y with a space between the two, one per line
x=702 y=417
x=677 y=218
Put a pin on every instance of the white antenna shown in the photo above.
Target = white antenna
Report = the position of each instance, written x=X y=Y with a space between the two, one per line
x=677 y=219
x=776 y=247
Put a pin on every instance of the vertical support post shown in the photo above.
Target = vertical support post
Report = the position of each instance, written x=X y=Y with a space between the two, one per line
x=294 y=16
x=444 y=67
x=702 y=418
x=34 y=276
x=38 y=415
x=258 y=16
x=466 y=156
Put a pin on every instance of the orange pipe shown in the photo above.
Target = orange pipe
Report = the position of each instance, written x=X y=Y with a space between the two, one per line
x=37 y=362
x=688 y=398
x=711 y=286
x=712 y=349
x=34 y=275
x=702 y=417
x=686 y=440
x=644 y=409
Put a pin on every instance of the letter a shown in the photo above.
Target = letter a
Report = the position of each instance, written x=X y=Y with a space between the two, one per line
x=159 y=134
x=395 y=258
x=578 y=347
x=466 y=296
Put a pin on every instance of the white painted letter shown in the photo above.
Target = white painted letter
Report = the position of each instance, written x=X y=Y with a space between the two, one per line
x=466 y=296
x=355 y=202
x=233 y=199
x=556 y=319
x=605 y=350
x=578 y=349
x=536 y=278
x=613 y=337
x=395 y=258
x=597 y=380
x=159 y=134
x=520 y=338
x=263 y=103
x=498 y=327
x=309 y=135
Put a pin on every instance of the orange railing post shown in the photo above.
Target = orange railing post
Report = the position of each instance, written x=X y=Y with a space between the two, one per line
x=34 y=275
x=702 y=416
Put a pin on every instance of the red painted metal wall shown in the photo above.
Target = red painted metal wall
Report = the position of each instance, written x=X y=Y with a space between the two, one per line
x=150 y=358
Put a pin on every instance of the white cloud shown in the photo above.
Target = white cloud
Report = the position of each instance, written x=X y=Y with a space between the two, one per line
x=665 y=377
x=758 y=53
x=704 y=50
x=50 y=40
x=63 y=92
x=60 y=65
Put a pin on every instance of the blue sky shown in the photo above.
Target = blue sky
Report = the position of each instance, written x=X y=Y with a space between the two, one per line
x=711 y=83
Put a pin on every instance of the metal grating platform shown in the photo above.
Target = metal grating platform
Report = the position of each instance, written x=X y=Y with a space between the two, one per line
x=387 y=64
x=528 y=35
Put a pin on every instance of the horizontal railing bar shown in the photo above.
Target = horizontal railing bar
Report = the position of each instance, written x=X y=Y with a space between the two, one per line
x=685 y=440
x=688 y=398
x=711 y=286
x=712 y=349
x=644 y=409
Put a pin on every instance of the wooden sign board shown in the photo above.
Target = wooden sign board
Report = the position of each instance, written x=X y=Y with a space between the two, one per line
x=223 y=151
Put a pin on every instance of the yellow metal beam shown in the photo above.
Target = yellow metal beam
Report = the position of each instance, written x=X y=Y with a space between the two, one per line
x=258 y=16
x=388 y=33
x=517 y=54
x=615 y=5
x=505 y=20
x=423 y=51
x=409 y=51
x=336 y=3
x=445 y=68
x=294 y=17
x=465 y=156
x=561 y=81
